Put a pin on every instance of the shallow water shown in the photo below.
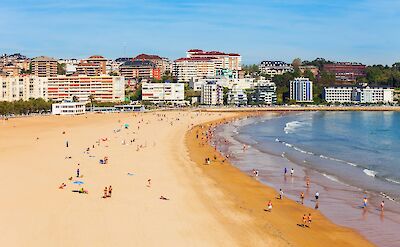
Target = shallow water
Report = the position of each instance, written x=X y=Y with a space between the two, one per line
x=347 y=155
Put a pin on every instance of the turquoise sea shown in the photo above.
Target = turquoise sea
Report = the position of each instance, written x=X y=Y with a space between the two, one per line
x=348 y=155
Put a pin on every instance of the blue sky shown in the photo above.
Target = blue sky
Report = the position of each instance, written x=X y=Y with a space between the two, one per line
x=351 y=30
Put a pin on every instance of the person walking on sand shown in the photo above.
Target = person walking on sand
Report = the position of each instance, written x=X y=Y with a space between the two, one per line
x=269 y=206
x=77 y=173
x=302 y=197
x=280 y=194
x=149 y=182
x=304 y=221
x=382 y=206
x=66 y=143
x=316 y=196
x=285 y=171
x=309 y=220
x=308 y=182
x=365 y=202
x=291 y=172
x=256 y=173
x=105 y=192
x=109 y=191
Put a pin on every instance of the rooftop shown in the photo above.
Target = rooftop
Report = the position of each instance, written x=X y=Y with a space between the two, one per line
x=43 y=59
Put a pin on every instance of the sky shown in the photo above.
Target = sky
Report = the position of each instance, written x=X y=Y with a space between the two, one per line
x=366 y=31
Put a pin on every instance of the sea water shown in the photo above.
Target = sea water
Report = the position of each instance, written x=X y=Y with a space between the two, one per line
x=348 y=155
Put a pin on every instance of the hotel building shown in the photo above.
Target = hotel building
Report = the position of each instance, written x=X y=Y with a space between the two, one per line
x=273 y=68
x=301 y=90
x=102 y=88
x=346 y=72
x=163 y=92
x=44 y=66
x=358 y=94
x=212 y=94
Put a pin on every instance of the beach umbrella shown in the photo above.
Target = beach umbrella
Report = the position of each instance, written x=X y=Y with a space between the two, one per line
x=126 y=126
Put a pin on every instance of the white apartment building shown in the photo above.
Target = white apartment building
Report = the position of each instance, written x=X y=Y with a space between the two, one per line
x=237 y=96
x=341 y=94
x=197 y=83
x=163 y=92
x=101 y=88
x=68 y=108
x=212 y=94
x=273 y=68
x=361 y=94
x=301 y=90
x=187 y=69
x=373 y=95
x=14 y=88
x=264 y=92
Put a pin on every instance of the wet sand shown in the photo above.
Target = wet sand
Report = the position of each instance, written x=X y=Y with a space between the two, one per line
x=250 y=197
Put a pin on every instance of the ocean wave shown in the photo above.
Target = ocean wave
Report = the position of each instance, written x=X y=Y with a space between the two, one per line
x=291 y=127
x=334 y=179
x=370 y=172
x=392 y=180
x=387 y=197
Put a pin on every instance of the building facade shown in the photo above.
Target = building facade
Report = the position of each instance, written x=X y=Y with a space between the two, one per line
x=237 y=96
x=273 y=68
x=358 y=94
x=139 y=69
x=212 y=94
x=264 y=93
x=68 y=108
x=346 y=72
x=163 y=92
x=301 y=90
x=44 y=66
x=101 y=88
x=222 y=60
x=24 y=87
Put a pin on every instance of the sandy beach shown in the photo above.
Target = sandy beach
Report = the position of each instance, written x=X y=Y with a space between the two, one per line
x=207 y=205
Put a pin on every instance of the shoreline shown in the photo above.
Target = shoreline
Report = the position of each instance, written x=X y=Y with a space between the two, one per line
x=250 y=197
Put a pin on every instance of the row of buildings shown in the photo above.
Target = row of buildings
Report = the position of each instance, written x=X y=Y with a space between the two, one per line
x=301 y=90
x=58 y=88
x=345 y=72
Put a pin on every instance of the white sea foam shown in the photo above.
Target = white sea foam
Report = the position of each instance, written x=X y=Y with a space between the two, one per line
x=288 y=145
x=324 y=157
x=387 y=197
x=300 y=150
x=370 y=172
x=352 y=164
x=277 y=140
x=291 y=127
x=392 y=180
x=332 y=178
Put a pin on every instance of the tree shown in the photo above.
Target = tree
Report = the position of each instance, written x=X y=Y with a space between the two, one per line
x=61 y=68
x=296 y=63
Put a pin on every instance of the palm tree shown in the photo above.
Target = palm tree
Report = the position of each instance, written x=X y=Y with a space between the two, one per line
x=91 y=98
